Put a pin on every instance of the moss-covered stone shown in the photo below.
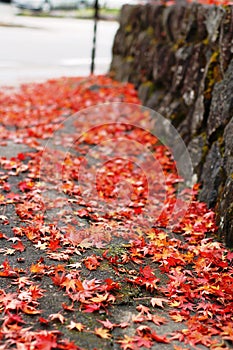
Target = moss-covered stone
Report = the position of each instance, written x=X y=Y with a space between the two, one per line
x=180 y=59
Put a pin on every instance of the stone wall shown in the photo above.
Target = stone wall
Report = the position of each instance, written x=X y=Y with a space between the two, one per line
x=181 y=60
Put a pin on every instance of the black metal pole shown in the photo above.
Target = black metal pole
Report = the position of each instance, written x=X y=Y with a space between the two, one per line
x=96 y=17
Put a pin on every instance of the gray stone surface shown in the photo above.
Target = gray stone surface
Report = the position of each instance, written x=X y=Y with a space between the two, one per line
x=228 y=155
x=212 y=176
x=221 y=109
x=225 y=212
x=196 y=151
x=226 y=38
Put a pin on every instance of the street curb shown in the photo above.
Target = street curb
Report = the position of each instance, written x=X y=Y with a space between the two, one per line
x=15 y=25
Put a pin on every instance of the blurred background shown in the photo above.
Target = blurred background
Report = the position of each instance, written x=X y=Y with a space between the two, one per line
x=42 y=39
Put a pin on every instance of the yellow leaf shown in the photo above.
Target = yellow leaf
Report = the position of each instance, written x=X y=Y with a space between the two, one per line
x=102 y=333
x=76 y=325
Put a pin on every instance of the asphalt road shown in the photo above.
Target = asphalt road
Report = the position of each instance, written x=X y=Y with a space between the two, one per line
x=37 y=48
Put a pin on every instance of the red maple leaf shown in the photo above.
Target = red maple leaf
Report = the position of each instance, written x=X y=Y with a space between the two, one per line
x=7 y=270
x=19 y=246
x=92 y=262
x=159 y=338
x=46 y=341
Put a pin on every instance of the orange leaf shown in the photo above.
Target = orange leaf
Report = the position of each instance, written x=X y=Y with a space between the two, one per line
x=76 y=325
x=91 y=262
x=102 y=333
x=58 y=317
x=37 y=268
x=158 y=302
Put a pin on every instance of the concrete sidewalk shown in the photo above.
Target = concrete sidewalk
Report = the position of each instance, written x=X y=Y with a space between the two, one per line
x=100 y=281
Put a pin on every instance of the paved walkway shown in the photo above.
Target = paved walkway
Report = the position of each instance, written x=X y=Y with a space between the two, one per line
x=84 y=264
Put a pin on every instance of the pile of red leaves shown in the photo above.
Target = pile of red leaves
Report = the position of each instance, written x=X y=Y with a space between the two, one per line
x=214 y=2
x=64 y=256
x=204 y=2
